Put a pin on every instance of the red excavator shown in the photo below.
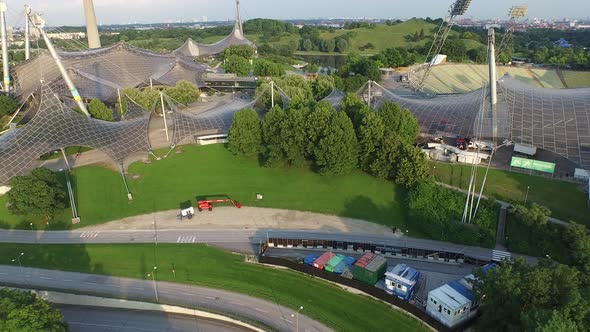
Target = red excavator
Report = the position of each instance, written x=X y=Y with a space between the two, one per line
x=208 y=203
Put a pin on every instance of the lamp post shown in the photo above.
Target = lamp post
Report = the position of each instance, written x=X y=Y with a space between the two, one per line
x=296 y=315
x=153 y=275
x=526 y=196
x=17 y=259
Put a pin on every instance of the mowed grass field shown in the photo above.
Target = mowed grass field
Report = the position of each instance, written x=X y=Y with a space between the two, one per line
x=565 y=199
x=212 y=170
x=205 y=266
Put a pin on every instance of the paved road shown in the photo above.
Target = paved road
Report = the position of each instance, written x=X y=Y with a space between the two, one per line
x=231 y=238
x=268 y=313
x=95 y=319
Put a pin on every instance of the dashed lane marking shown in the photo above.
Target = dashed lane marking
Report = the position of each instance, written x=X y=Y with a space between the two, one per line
x=264 y=311
x=186 y=239
x=87 y=235
x=286 y=320
x=46 y=278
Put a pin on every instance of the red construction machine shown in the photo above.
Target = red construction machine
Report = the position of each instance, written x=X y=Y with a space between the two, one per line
x=208 y=203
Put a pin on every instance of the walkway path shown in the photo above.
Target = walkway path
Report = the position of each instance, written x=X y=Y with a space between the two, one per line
x=188 y=296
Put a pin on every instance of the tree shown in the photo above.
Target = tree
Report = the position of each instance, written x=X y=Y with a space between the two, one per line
x=533 y=215
x=323 y=86
x=329 y=45
x=306 y=45
x=354 y=106
x=411 y=167
x=184 y=93
x=577 y=241
x=370 y=136
x=268 y=68
x=402 y=123
x=294 y=136
x=237 y=65
x=40 y=193
x=522 y=297
x=8 y=105
x=341 y=45
x=100 y=111
x=147 y=99
x=245 y=134
x=316 y=124
x=272 y=141
x=244 y=51
x=24 y=311
x=337 y=151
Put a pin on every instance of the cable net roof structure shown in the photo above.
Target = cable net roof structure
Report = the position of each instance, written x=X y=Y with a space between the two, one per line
x=99 y=73
x=235 y=38
x=557 y=120
x=54 y=126
x=334 y=98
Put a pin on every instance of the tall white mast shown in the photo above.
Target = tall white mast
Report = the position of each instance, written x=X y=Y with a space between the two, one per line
x=5 y=69
x=27 y=32
x=91 y=26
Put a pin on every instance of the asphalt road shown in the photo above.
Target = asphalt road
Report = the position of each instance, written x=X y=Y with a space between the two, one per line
x=187 y=296
x=245 y=239
x=96 y=319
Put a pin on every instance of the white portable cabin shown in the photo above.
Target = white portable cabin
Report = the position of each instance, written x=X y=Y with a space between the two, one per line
x=451 y=304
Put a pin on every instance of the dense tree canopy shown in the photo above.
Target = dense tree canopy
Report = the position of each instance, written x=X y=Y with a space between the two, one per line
x=272 y=142
x=268 y=69
x=337 y=151
x=245 y=136
x=523 y=297
x=25 y=312
x=237 y=65
x=40 y=193
x=100 y=111
x=244 y=51
x=8 y=105
x=184 y=92
x=315 y=124
x=322 y=86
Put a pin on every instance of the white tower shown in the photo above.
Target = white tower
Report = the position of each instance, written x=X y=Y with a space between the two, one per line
x=91 y=27
x=4 y=38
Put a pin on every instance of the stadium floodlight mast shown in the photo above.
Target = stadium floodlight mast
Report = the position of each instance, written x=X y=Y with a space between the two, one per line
x=458 y=8
x=39 y=23
x=515 y=13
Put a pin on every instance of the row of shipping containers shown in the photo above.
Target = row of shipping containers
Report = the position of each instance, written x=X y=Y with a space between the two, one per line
x=368 y=269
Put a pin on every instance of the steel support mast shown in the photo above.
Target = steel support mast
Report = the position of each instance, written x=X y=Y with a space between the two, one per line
x=27 y=32
x=5 y=68
x=39 y=23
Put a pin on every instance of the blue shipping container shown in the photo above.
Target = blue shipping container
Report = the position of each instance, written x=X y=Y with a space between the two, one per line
x=309 y=259
x=346 y=262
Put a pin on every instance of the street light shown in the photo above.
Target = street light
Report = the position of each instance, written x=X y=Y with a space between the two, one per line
x=153 y=275
x=18 y=260
x=526 y=196
x=296 y=315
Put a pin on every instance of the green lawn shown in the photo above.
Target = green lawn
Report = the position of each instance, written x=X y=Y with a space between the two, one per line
x=212 y=170
x=201 y=265
x=565 y=199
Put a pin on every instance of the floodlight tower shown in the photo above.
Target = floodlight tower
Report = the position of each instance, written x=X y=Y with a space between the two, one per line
x=458 y=8
x=516 y=12
x=39 y=23
x=5 y=69
x=91 y=26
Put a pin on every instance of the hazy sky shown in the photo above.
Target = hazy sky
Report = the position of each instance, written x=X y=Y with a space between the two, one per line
x=69 y=12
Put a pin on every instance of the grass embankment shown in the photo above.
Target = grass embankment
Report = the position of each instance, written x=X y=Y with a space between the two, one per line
x=215 y=268
x=212 y=170
x=564 y=199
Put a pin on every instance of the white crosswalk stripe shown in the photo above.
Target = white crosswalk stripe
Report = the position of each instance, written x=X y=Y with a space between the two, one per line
x=498 y=255
x=186 y=239
x=89 y=234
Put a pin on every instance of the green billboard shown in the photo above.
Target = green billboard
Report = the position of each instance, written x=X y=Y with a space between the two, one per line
x=535 y=165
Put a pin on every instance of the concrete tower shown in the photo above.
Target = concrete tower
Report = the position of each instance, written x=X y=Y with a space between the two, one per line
x=238 y=17
x=91 y=27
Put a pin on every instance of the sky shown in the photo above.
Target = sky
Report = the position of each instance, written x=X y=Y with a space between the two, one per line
x=69 y=12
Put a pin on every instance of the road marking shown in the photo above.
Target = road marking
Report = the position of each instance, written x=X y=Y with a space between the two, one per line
x=306 y=330
x=266 y=312
x=89 y=234
x=3 y=274
x=286 y=320
x=68 y=280
x=236 y=303
x=90 y=283
x=210 y=297
x=498 y=255
x=110 y=326
x=46 y=278
x=137 y=288
x=186 y=239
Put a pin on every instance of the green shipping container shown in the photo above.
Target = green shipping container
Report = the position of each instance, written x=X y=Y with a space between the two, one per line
x=372 y=272
x=331 y=265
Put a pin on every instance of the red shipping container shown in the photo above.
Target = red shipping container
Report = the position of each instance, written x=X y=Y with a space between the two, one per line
x=323 y=260
x=365 y=260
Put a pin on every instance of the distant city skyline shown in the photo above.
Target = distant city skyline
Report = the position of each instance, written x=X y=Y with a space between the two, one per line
x=69 y=12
